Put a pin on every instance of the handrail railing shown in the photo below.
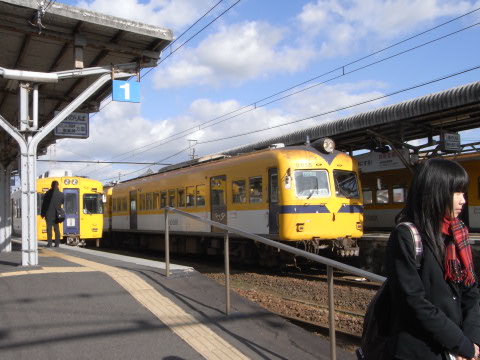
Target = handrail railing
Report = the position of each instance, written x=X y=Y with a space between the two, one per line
x=313 y=257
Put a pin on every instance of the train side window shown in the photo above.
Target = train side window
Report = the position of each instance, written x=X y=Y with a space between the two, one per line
x=171 y=198
x=114 y=205
x=149 y=201
x=181 y=197
x=255 y=189
x=200 y=195
x=398 y=195
x=190 y=196
x=156 y=200
x=367 y=196
x=382 y=196
x=142 y=202
x=163 y=199
x=239 y=192
x=124 y=204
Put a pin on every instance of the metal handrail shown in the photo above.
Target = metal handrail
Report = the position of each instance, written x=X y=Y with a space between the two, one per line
x=313 y=257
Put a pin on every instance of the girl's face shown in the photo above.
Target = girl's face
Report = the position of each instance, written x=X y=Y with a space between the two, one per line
x=458 y=202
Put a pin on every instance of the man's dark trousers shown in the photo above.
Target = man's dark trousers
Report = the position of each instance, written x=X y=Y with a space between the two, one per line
x=49 y=233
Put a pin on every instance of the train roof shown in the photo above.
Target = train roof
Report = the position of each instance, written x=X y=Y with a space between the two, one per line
x=219 y=157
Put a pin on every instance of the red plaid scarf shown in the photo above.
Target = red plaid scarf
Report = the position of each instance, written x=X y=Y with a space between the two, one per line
x=458 y=254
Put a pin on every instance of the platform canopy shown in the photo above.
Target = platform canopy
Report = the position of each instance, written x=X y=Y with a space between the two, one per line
x=61 y=39
x=448 y=111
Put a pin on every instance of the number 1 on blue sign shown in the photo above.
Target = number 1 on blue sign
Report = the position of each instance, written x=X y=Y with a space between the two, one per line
x=125 y=91
x=126 y=87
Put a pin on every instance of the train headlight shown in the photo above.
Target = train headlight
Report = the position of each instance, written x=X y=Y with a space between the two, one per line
x=74 y=181
x=66 y=181
x=325 y=145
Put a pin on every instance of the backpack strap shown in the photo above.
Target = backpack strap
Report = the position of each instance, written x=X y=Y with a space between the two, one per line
x=417 y=240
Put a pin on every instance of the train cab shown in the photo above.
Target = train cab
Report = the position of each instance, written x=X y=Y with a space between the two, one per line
x=83 y=209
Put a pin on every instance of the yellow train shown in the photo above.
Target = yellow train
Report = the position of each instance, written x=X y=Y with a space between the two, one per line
x=83 y=209
x=384 y=194
x=300 y=195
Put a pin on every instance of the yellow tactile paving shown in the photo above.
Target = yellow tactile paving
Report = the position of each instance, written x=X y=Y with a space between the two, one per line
x=198 y=336
x=47 y=270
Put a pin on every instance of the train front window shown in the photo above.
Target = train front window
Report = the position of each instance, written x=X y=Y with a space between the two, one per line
x=367 y=196
x=311 y=183
x=92 y=204
x=346 y=184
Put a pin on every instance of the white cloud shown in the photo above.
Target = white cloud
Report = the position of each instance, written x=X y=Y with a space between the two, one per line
x=233 y=55
x=345 y=26
x=174 y=14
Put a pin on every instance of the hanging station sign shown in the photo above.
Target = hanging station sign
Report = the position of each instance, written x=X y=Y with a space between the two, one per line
x=376 y=161
x=75 y=125
x=450 y=142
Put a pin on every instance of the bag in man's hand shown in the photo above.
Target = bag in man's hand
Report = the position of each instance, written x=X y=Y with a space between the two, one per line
x=60 y=216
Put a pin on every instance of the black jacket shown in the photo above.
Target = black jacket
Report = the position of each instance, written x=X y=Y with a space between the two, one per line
x=431 y=315
x=52 y=201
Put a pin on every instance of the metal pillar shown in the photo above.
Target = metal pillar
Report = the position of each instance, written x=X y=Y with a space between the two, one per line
x=28 y=139
x=5 y=209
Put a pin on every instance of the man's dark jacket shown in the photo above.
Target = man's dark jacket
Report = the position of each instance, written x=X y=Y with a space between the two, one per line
x=430 y=314
x=52 y=201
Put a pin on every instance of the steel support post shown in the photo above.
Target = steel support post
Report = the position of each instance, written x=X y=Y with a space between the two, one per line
x=331 y=314
x=227 y=271
x=167 y=244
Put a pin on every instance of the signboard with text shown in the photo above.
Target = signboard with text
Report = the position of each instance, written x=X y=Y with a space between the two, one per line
x=450 y=142
x=76 y=125
x=375 y=161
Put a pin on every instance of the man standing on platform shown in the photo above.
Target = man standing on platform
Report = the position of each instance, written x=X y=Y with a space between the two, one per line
x=51 y=204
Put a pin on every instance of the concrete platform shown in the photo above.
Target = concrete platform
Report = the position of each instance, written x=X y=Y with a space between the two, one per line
x=79 y=305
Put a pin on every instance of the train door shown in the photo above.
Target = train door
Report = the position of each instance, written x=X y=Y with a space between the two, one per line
x=218 y=200
x=273 y=201
x=71 y=225
x=133 y=210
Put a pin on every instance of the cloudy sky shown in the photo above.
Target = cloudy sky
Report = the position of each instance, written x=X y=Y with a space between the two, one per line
x=259 y=48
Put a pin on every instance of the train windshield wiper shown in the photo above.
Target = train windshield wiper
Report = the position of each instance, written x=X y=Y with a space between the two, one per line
x=315 y=189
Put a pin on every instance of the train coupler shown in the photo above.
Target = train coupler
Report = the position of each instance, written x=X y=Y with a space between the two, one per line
x=346 y=247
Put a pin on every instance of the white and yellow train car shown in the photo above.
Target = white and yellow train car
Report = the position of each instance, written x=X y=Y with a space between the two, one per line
x=83 y=209
x=292 y=194
x=385 y=192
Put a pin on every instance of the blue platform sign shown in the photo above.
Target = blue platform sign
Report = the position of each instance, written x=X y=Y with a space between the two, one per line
x=128 y=91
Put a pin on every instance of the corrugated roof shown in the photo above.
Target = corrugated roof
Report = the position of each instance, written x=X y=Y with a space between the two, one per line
x=450 y=110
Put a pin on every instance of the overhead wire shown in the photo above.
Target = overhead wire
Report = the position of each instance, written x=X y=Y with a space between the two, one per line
x=189 y=39
x=257 y=104
x=348 y=106
x=249 y=108
x=317 y=115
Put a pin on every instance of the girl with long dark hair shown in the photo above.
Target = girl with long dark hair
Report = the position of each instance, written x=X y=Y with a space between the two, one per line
x=436 y=312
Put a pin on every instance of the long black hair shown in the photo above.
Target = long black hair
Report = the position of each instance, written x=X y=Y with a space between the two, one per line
x=430 y=198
